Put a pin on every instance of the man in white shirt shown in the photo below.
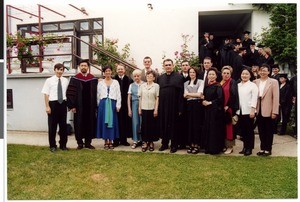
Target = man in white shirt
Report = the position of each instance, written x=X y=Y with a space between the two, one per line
x=54 y=91
x=147 y=63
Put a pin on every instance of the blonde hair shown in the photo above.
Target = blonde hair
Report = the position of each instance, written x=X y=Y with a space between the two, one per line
x=136 y=71
x=227 y=67
x=268 y=51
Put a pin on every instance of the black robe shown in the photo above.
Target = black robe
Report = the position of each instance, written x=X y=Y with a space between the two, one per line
x=238 y=65
x=170 y=105
x=213 y=127
x=124 y=120
x=82 y=95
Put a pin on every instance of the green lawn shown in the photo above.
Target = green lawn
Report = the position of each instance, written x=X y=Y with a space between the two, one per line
x=35 y=173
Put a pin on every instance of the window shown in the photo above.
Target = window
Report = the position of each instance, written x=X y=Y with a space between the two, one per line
x=10 y=103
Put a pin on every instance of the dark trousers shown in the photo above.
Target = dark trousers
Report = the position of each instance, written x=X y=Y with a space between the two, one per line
x=265 y=130
x=58 y=116
x=285 y=112
x=170 y=133
x=247 y=130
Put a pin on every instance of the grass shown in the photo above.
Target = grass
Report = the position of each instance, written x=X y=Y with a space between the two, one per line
x=35 y=173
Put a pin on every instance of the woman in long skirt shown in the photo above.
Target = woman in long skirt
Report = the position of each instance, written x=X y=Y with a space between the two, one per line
x=109 y=99
x=193 y=90
x=214 y=114
x=133 y=108
x=148 y=108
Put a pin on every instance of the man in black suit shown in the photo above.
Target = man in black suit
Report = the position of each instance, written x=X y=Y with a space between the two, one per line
x=207 y=64
x=238 y=64
x=275 y=72
x=252 y=55
x=123 y=118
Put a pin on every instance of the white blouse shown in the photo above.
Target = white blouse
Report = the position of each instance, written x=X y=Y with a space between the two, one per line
x=248 y=93
x=114 y=92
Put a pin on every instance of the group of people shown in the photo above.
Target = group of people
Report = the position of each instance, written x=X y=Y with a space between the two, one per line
x=187 y=110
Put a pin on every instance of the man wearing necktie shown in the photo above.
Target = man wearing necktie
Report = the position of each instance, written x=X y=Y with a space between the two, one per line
x=54 y=91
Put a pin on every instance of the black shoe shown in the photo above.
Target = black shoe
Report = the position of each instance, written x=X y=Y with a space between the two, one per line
x=248 y=152
x=80 y=146
x=89 y=146
x=53 y=149
x=125 y=143
x=189 y=151
x=64 y=148
x=242 y=152
x=173 y=150
x=267 y=153
x=139 y=143
x=163 y=147
x=195 y=150
x=115 y=144
x=260 y=153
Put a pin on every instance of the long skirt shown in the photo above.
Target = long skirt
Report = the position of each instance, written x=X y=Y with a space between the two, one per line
x=136 y=121
x=149 y=127
x=103 y=131
x=194 y=121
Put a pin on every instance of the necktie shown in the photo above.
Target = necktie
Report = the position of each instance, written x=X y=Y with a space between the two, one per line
x=59 y=92
x=205 y=78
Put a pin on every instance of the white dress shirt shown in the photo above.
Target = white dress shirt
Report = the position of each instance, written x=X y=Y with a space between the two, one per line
x=114 y=92
x=248 y=93
x=50 y=87
x=262 y=85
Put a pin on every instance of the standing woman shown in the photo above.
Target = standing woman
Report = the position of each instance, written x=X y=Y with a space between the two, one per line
x=148 y=108
x=214 y=113
x=109 y=103
x=193 y=90
x=133 y=108
x=248 y=93
x=231 y=105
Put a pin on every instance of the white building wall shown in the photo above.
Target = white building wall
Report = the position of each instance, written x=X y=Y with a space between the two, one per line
x=149 y=33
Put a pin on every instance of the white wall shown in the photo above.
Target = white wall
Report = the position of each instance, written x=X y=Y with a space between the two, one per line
x=28 y=111
x=150 y=33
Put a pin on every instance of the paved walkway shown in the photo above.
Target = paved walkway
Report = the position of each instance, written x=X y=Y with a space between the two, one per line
x=284 y=145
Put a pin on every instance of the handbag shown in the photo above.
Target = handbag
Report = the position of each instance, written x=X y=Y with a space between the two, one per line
x=235 y=119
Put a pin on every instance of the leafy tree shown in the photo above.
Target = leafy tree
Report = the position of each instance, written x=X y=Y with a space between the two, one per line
x=281 y=36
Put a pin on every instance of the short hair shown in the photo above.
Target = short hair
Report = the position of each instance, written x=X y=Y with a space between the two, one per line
x=151 y=72
x=106 y=67
x=58 y=66
x=265 y=65
x=213 y=69
x=207 y=58
x=168 y=60
x=184 y=62
x=136 y=71
x=147 y=57
x=227 y=67
x=84 y=61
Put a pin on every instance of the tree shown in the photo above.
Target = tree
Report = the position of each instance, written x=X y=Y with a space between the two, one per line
x=281 y=36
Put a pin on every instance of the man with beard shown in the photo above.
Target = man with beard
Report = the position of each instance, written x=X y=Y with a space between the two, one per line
x=82 y=101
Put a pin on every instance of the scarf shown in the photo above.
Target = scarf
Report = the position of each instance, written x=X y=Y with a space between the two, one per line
x=108 y=113
x=226 y=91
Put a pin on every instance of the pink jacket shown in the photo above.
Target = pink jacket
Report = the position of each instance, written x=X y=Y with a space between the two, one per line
x=270 y=98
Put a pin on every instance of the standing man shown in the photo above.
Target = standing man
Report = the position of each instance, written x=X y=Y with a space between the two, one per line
x=238 y=63
x=123 y=118
x=247 y=40
x=54 y=91
x=183 y=137
x=275 y=72
x=267 y=109
x=147 y=64
x=203 y=46
x=82 y=101
x=170 y=105
x=207 y=64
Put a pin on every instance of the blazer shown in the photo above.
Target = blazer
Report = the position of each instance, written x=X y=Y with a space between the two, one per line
x=270 y=98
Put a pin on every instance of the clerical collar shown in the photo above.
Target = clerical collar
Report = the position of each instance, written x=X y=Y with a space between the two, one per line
x=121 y=77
